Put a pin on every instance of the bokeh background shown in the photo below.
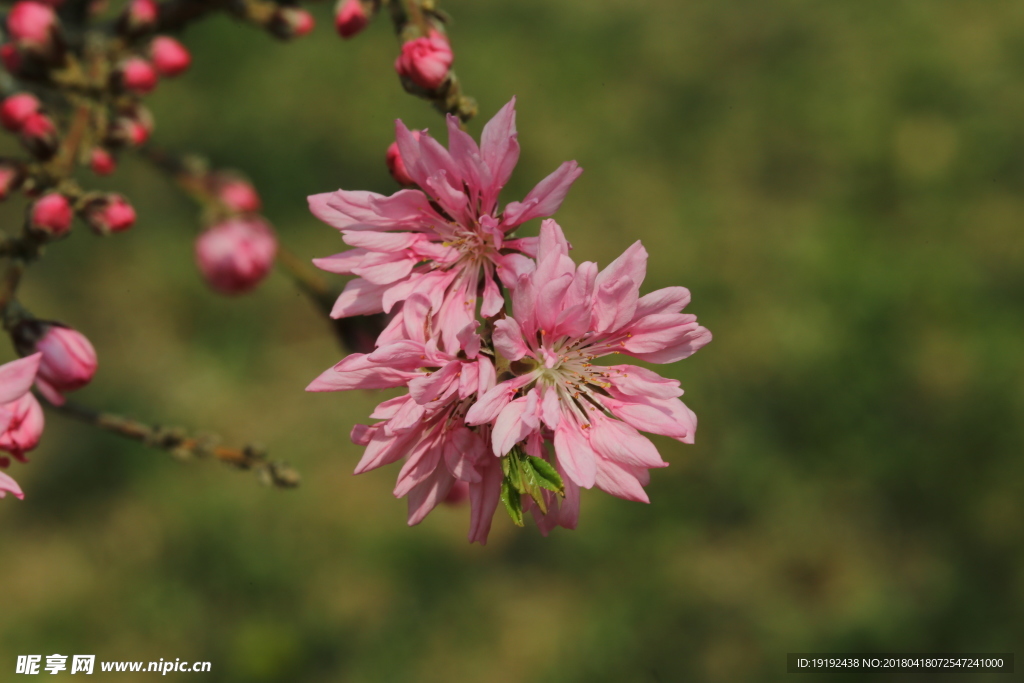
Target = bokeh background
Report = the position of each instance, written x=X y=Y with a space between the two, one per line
x=841 y=186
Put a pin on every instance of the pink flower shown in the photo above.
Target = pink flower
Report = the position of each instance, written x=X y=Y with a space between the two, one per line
x=237 y=194
x=21 y=419
x=138 y=75
x=425 y=61
x=68 y=360
x=425 y=426
x=170 y=57
x=448 y=240
x=16 y=109
x=52 y=214
x=350 y=18
x=565 y=317
x=102 y=162
x=292 y=22
x=32 y=24
x=234 y=256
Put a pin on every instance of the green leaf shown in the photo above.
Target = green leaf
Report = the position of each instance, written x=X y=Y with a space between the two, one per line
x=510 y=497
x=546 y=475
x=532 y=485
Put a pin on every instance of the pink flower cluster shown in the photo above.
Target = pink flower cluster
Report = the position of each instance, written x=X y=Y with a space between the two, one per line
x=503 y=400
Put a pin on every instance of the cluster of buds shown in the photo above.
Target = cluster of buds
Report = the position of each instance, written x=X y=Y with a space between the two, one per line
x=237 y=251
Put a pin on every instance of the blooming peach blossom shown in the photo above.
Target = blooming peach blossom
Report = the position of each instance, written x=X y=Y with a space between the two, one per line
x=447 y=240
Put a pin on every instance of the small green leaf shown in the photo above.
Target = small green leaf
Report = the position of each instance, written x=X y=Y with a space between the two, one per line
x=546 y=475
x=510 y=497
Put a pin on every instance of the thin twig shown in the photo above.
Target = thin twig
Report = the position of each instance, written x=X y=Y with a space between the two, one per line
x=175 y=441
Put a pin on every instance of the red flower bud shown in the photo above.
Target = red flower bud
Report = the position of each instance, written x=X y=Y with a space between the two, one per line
x=52 y=214
x=11 y=175
x=39 y=135
x=425 y=61
x=235 y=255
x=170 y=57
x=16 y=108
x=397 y=166
x=11 y=58
x=132 y=130
x=139 y=17
x=237 y=194
x=350 y=17
x=110 y=214
x=291 y=22
x=138 y=75
x=32 y=25
x=102 y=162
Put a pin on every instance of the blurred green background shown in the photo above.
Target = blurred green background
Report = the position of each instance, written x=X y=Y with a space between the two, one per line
x=841 y=186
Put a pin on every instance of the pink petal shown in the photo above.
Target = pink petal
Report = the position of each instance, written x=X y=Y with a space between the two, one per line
x=462 y=450
x=491 y=403
x=384 y=449
x=616 y=440
x=373 y=240
x=637 y=381
x=17 y=376
x=508 y=339
x=499 y=146
x=667 y=300
x=427 y=495
x=359 y=210
x=483 y=498
x=342 y=263
x=631 y=264
x=665 y=338
x=423 y=460
x=433 y=387
x=545 y=198
x=8 y=485
x=359 y=298
x=575 y=454
x=668 y=417
x=493 y=300
x=513 y=423
x=614 y=304
x=620 y=481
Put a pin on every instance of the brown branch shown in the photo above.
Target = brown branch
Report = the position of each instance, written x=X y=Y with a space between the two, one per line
x=181 y=446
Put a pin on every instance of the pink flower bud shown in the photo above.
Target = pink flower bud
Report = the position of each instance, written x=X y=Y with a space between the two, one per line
x=52 y=214
x=425 y=61
x=170 y=57
x=68 y=362
x=350 y=18
x=32 y=24
x=110 y=214
x=25 y=427
x=129 y=131
x=397 y=166
x=16 y=108
x=102 y=162
x=237 y=195
x=39 y=135
x=236 y=254
x=11 y=175
x=291 y=22
x=138 y=75
x=140 y=16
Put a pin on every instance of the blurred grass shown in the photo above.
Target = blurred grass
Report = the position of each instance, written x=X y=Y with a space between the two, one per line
x=840 y=186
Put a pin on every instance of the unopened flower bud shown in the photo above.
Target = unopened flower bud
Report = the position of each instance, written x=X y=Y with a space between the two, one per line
x=397 y=166
x=170 y=57
x=140 y=16
x=68 y=361
x=291 y=22
x=109 y=214
x=133 y=129
x=52 y=214
x=236 y=254
x=101 y=161
x=11 y=175
x=350 y=17
x=33 y=26
x=39 y=135
x=25 y=427
x=138 y=75
x=16 y=108
x=237 y=194
x=425 y=61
